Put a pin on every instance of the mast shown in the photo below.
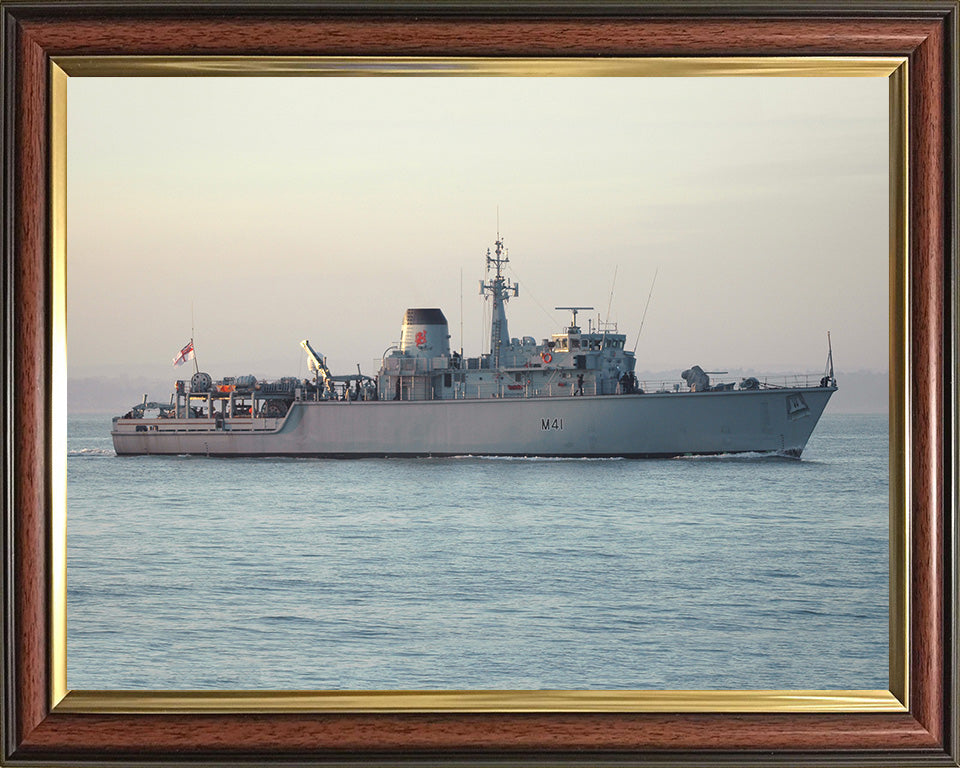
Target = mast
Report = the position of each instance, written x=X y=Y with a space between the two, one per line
x=500 y=288
x=829 y=371
x=645 y=308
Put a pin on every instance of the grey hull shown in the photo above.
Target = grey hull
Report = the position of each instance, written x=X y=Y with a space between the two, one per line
x=647 y=425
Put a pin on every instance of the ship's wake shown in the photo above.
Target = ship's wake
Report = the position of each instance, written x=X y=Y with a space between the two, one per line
x=745 y=456
x=92 y=452
x=538 y=458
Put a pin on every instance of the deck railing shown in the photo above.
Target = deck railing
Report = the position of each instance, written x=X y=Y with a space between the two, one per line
x=203 y=424
x=779 y=381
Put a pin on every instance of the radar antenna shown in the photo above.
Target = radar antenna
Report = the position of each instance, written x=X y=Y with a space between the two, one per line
x=574 y=328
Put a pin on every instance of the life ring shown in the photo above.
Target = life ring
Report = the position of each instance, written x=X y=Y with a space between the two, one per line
x=546 y=357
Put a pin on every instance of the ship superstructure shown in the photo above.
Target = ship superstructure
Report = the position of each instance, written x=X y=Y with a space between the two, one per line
x=571 y=362
x=573 y=394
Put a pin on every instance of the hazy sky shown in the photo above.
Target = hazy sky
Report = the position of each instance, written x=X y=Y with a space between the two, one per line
x=321 y=208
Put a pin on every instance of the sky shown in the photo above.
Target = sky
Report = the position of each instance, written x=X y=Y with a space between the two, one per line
x=256 y=212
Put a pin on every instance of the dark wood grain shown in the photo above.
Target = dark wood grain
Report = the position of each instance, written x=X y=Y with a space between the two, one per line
x=259 y=734
x=927 y=158
x=917 y=737
x=30 y=413
x=490 y=37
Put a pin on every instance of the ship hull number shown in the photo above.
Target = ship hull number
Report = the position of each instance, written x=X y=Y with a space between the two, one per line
x=548 y=425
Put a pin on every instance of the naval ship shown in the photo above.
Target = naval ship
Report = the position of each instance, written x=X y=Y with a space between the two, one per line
x=575 y=394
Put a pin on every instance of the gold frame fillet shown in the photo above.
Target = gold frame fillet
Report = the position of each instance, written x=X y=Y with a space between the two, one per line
x=893 y=700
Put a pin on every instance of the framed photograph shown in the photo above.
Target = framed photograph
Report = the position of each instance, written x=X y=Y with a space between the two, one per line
x=828 y=133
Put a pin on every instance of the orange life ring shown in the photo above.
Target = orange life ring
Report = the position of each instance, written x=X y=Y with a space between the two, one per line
x=546 y=357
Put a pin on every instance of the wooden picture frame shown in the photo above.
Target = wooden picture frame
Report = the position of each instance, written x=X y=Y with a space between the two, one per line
x=39 y=727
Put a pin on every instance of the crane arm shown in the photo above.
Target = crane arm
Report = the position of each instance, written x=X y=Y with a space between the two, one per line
x=316 y=362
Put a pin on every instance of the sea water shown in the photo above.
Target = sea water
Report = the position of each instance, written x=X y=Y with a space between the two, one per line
x=728 y=572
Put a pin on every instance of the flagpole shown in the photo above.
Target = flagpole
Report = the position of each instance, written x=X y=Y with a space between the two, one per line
x=196 y=365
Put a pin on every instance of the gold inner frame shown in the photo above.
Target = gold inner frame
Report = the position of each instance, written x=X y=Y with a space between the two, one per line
x=893 y=700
